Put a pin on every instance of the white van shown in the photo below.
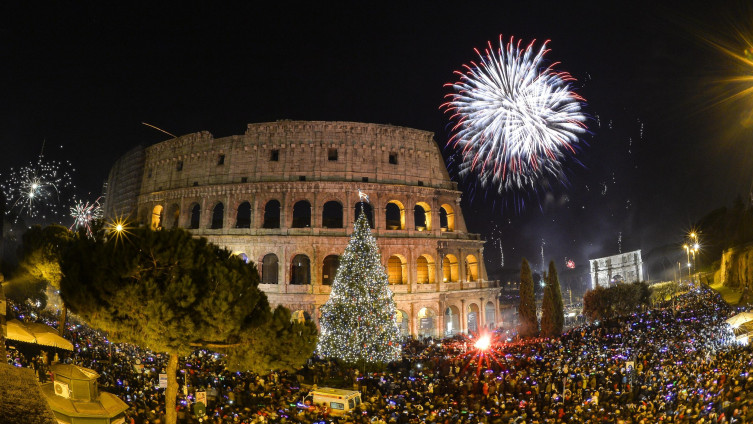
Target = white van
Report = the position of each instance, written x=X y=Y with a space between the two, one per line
x=338 y=401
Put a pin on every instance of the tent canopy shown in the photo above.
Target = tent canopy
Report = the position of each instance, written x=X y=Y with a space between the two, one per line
x=36 y=333
x=740 y=319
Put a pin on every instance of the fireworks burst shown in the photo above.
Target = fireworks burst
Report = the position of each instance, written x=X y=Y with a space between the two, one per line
x=84 y=214
x=515 y=119
x=38 y=190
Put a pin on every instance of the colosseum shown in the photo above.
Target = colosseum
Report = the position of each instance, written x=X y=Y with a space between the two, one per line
x=286 y=194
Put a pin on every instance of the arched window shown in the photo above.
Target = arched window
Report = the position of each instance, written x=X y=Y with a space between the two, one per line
x=195 y=217
x=450 y=269
x=217 y=215
x=490 y=315
x=366 y=210
x=300 y=270
x=332 y=215
x=269 y=269
x=396 y=270
x=394 y=215
x=425 y=270
x=272 y=214
x=329 y=269
x=302 y=214
x=446 y=218
x=472 y=313
x=173 y=215
x=426 y=323
x=156 y=222
x=422 y=216
x=471 y=268
x=452 y=320
x=243 y=216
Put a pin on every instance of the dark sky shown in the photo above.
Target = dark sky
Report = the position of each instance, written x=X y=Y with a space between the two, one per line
x=84 y=75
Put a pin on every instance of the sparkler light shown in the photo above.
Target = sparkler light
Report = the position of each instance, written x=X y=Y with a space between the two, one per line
x=84 y=214
x=40 y=189
x=515 y=119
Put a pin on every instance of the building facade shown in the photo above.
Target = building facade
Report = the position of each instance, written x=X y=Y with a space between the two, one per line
x=286 y=194
x=625 y=267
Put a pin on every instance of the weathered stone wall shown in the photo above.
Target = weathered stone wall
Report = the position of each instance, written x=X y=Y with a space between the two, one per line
x=736 y=268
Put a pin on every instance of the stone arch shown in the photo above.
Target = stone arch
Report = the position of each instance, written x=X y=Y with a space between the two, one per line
x=447 y=218
x=450 y=269
x=422 y=216
x=243 y=215
x=272 y=214
x=425 y=270
x=329 y=269
x=300 y=316
x=218 y=216
x=332 y=214
x=397 y=269
x=490 y=315
x=367 y=210
x=427 y=319
x=473 y=317
x=403 y=322
x=242 y=256
x=300 y=270
x=155 y=223
x=301 y=214
x=394 y=215
x=471 y=268
x=173 y=216
x=270 y=269
x=194 y=219
x=452 y=320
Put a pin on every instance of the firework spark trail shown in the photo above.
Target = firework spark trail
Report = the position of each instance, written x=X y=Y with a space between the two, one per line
x=37 y=190
x=84 y=214
x=515 y=119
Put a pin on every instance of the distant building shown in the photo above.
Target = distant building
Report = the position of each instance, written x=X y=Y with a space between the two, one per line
x=625 y=267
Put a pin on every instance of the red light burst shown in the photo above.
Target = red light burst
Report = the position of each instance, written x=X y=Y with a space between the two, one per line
x=479 y=351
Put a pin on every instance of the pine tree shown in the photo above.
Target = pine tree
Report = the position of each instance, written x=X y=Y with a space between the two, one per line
x=358 y=321
x=529 y=325
x=174 y=293
x=552 y=308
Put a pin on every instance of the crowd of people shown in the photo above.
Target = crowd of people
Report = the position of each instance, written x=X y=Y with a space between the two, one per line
x=676 y=363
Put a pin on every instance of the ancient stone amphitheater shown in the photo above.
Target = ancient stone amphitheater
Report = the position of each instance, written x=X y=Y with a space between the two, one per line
x=285 y=195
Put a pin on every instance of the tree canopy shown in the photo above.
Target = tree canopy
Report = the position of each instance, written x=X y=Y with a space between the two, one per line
x=171 y=292
x=552 y=308
x=529 y=324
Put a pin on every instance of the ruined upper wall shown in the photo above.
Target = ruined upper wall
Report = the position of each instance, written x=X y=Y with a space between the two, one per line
x=310 y=150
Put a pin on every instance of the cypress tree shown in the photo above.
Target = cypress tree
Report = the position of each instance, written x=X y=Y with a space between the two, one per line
x=552 y=309
x=529 y=325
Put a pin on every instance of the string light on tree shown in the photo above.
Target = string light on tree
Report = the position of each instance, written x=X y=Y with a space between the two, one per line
x=358 y=323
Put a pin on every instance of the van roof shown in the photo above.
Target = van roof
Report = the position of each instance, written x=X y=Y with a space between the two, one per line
x=333 y=391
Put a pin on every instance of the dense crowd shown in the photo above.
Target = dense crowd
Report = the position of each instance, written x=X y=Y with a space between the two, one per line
x=676 y=364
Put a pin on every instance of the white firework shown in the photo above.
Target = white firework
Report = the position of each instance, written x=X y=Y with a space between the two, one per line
x=515 y=119
x=84 y=214
x=38 y=190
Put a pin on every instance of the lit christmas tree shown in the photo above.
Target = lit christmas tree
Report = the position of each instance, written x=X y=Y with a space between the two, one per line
x=358 y=321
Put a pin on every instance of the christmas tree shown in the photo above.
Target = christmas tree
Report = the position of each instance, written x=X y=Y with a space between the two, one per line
x=358 y=321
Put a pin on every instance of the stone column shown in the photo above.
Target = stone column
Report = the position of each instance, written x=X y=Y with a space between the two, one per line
x=482 y=314
x=463 y=317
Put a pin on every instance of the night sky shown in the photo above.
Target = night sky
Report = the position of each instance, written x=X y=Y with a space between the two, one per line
x=85 y=75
